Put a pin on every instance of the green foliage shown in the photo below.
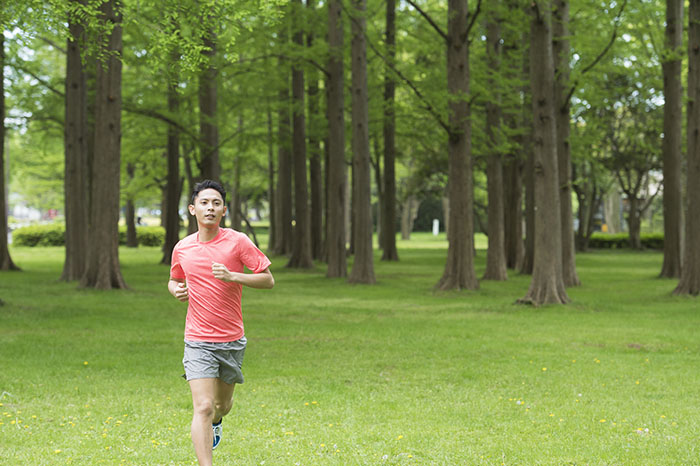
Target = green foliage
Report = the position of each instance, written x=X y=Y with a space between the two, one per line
x=622 y=241
x=54 y=234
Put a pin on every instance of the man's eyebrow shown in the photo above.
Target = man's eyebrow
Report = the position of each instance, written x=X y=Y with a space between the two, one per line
x=210 y=198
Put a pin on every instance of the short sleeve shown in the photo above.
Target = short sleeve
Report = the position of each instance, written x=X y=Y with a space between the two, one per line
x=176 y=271
x=252 y=257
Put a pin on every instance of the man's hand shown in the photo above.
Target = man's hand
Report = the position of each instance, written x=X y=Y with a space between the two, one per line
x=221 y=272
x=179 y=290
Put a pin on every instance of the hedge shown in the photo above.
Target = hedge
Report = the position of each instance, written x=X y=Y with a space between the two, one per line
x=622 y=240
x=54 y=234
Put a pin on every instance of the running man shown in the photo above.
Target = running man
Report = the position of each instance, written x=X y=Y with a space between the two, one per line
x=207 y=271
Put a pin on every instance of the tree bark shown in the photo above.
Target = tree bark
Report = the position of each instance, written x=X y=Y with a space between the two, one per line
x=690 y=272
x=102 y=269
x=173 y=187
x=528 y=171
x=76 y=164
x=363 y=265
x=389 y=251
x=301 y=247
x=271 y=191
x=337 y=178
x=459 y=268
x=208 y=126
x=561 y=51
x=547 y=285
x=130 y=217
x=673 y=129
x=495 y=254
x=315 y=169
x=6 y=262
x=283 y=238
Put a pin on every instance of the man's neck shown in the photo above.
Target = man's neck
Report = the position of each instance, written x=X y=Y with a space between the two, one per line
x=207 y=234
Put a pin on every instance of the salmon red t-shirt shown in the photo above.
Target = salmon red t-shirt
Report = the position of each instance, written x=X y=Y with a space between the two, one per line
x=214 y=310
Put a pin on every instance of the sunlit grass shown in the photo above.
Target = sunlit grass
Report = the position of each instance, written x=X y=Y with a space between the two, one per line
x=336 y=374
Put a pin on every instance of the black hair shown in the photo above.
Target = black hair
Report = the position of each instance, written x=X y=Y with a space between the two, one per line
x=208 y=184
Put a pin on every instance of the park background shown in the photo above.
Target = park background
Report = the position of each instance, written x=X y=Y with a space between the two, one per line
x=555 y=143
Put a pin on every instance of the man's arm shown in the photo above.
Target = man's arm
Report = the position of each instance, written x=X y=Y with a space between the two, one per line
x=178 y=288
x=263 y=279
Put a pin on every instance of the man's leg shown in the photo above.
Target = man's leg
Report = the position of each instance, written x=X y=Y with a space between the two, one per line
x=223 y=400
x=204 y=394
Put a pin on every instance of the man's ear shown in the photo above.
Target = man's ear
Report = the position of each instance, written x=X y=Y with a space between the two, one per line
x=191 y=209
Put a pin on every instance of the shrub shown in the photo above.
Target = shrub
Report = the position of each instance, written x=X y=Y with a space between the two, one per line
x=54 y=234
x=622 y=240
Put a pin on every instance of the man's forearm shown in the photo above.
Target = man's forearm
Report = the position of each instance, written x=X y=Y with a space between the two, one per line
x=263 y=280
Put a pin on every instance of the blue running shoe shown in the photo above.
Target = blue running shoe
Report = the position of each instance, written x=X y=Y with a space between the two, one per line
x=217 y=435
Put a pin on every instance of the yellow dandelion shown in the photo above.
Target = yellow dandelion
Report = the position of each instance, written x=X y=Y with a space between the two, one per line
x=85 y=363
x=399 y=437
x=602 y=420
x=57 y=451
x=544 y=369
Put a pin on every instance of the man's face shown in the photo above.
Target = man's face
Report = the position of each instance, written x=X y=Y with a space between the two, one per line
x=208 y=207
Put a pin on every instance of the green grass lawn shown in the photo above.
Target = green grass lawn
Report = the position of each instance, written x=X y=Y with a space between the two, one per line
x=391 y=374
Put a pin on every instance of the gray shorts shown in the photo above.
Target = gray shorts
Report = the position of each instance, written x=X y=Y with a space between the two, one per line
x=204 y=360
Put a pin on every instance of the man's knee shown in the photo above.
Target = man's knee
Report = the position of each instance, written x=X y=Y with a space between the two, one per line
x=204 y=407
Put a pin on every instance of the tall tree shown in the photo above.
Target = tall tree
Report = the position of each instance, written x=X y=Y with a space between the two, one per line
x=76 y=163
x=562 y=70
x=283 y=206
x=174 y=183
x=301 y=247
x=459 y=269
x=388 y=217
x=690 y=272
x=102 y=270
x=495 y=254
x=208 y=126
x=363 y=266
x=315 y=170
x=673 y=128
x=335 y=241
x=5 y=259
x=547 y=285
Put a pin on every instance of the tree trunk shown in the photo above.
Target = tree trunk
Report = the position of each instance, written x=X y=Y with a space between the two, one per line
x=363 y=265
x=235 y=211
x=173 y=187
x=283 y=239
x=513 y=211
x=208 y=126
x=76 y=166
x=5 y=259
x=547 y=285
x=301 y=247
x=337 y=178
x=673 y=129
x=495 y=254
x=634 y=223
x=561 y=51
x=459 y=268
x=389 y=251
x=102 y=270
x=130 y=215
x=528 y=171
x=271 y=191
x=409 y=212
x=315 y=169
x=690 y=272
